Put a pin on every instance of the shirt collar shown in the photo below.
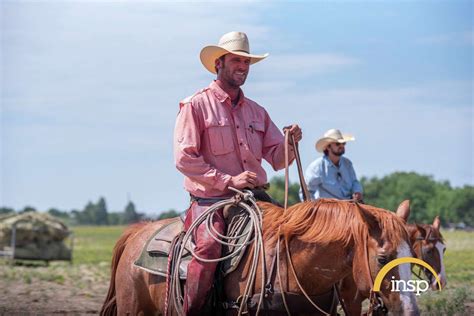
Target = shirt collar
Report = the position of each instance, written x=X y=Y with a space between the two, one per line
x=222 y=96
x=341 y=162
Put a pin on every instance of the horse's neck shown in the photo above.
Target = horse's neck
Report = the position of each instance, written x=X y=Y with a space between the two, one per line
x=318 y=267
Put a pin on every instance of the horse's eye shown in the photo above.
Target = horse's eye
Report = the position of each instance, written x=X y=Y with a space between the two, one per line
x=382 y=260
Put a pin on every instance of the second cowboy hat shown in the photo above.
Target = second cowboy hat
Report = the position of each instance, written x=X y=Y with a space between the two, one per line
x=332 y=136
x=233 y=42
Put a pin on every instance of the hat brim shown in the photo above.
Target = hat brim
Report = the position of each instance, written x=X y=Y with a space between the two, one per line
x=322 y=143
x=210 y=53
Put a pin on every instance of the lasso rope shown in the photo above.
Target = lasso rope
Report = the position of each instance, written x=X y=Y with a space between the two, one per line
x=246 y=201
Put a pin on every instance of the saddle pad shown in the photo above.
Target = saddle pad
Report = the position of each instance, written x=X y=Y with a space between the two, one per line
x=154 y=255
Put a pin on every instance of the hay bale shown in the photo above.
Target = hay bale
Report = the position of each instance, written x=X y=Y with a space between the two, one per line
x=32 y=228
x=49 y=251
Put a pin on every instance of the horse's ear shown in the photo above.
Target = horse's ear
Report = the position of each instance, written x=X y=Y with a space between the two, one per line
x=436 y=223
x=369 y=218
x=422 y=230
x=403 y=210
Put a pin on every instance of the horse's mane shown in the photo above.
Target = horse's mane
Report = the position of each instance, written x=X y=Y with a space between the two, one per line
x=329 y=220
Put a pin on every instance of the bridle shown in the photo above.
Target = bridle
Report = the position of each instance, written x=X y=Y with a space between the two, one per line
x=428 y=238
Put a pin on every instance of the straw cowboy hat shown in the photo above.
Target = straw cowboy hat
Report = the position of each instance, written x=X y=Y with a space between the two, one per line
x=233 y=42
x=332 y=136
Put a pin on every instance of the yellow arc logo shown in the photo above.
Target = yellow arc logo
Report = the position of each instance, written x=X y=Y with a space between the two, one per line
x=396 y=262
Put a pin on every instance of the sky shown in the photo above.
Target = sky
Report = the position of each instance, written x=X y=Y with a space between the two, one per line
x=90 y=90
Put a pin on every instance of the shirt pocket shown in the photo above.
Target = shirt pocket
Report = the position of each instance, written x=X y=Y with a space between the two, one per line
x=255 y=134
x=331 y=178
x=220 y=137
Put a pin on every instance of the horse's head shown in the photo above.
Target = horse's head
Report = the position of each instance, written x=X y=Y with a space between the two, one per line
x=385 y=239
x=428 y=245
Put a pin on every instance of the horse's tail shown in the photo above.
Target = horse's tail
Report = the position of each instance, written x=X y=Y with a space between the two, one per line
x=109 y=307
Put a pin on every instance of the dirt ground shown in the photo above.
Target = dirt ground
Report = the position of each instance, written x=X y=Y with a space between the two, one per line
x=53 y=290
x=63 y=289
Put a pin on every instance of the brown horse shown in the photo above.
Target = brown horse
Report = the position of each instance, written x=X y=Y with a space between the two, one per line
x=427 y=244
x=326 y=241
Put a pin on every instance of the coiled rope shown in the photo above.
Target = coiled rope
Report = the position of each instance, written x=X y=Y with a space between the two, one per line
x=246 y=201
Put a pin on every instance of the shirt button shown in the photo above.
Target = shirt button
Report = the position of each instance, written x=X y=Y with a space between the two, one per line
x=237 y=126
x=241 y=143
x=245 y=161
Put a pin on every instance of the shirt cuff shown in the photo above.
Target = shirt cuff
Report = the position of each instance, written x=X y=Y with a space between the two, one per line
x=222 y=181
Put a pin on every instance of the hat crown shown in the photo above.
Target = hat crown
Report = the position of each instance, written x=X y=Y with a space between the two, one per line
x=334 y=134
x=235 y=41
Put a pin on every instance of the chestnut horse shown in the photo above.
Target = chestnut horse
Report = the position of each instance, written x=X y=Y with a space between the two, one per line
x=427 y=244
x=326 y=240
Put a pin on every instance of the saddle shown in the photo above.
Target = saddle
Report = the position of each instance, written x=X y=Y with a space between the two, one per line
x=155 y=253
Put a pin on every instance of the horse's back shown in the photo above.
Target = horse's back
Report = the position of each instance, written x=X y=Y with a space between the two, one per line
x=138 y=291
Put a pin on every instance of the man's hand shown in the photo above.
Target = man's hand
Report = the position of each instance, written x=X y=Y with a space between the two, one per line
x=357 y=196
x=246 y=179
x=295 y=130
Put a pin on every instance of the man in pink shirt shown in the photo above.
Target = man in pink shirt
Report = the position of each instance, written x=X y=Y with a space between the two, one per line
x=220 y=139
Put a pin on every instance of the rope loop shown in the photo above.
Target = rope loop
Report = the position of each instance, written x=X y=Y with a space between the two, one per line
x=245 y=200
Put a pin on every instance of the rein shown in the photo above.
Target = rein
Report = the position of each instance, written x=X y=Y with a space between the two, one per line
x=306 y=197
x=296 y=152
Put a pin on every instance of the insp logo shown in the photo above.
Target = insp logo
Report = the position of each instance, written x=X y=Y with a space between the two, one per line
x=416 y=286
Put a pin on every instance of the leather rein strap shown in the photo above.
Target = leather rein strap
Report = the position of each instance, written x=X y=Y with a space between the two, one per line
x=296 y=152
x=306 y=197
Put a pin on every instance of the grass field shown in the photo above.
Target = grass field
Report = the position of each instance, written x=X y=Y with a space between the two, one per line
x=86 y=280
x=458 y=296
x=94 y=244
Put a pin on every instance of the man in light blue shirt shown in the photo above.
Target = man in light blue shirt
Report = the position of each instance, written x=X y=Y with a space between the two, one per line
x=333 y=176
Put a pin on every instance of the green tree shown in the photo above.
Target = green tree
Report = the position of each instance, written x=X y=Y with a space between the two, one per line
x=6 y=210
x=93 y=214
x=277 y=190
x=87 y=216
x=130 y=214
x=168 y=214
x=462 y=204
x=115 y=218
x=101 y=217
x=28 y=209
x=428 y=198
x=57 y=213
x=390 y=190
